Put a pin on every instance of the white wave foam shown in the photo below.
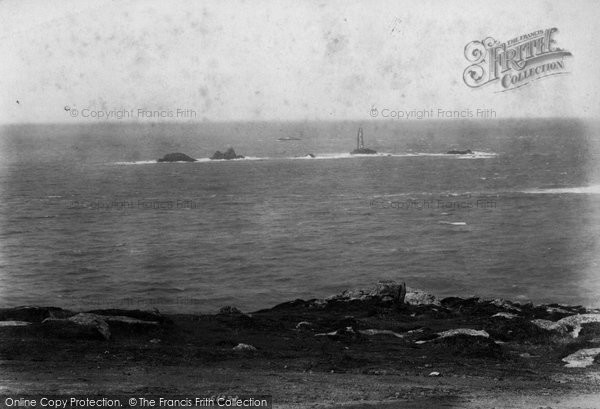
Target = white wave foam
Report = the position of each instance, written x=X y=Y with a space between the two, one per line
x=587 y=190
x=246 y=158
x=417 y=195
x=454 y=223
x=139 y=162
x=471 y=195
x=198 y=160
x=477 y=155
x=326 y=156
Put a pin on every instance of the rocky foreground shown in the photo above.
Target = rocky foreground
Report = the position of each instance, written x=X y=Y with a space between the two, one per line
x=386 y=346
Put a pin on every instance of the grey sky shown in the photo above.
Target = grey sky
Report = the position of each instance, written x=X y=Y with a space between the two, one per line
x=280 y=60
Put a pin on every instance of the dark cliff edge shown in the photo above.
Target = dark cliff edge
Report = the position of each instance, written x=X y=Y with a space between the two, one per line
x=387 y=330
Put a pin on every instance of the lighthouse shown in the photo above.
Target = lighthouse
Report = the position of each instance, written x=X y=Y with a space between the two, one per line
x=360 y=145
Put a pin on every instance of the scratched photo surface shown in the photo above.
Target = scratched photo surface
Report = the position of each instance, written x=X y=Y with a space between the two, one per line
x=185 y=156
x=93 y=94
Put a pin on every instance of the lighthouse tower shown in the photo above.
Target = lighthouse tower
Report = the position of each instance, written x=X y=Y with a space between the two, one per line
x=360 y=143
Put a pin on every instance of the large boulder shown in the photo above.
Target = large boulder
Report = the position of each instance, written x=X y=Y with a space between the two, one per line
x=82 y=325
x=228 y=155
x=581 y=358
x=387 y=290
x=176 y=157
x=415 y=296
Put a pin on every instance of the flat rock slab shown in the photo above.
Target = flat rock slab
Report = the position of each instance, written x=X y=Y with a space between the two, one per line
x=83 y=325
x=86 y=325
x=572 y=323
x=380 y=332
x=464 y=331
x=14 y=323
x=581 y=358
x=127 y=320
x=506 y=315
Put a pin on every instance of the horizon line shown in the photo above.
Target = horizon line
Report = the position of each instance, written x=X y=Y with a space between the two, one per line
x=200 y=122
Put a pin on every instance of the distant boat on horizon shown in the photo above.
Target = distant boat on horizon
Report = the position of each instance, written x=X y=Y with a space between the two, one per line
x=291 y=138
x=360 y=145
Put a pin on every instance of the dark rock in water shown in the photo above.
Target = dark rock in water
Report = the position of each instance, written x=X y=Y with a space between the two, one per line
x=176 y=157
x=363 y=151
x=459 y=152
x=228 y=155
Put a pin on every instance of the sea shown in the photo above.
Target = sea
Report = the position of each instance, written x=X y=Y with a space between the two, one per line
x=89 y=219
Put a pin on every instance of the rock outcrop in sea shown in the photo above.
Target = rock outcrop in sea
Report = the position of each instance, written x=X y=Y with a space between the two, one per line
x=363 y=151
x=228 y=155
x=176 y=157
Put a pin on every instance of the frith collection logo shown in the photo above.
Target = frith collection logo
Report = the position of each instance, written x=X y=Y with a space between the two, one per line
x=516 y=62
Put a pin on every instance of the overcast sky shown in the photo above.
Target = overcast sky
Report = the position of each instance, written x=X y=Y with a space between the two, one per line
x=280 y=60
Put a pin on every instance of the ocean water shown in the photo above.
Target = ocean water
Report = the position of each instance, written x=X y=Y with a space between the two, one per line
x=88 y=219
